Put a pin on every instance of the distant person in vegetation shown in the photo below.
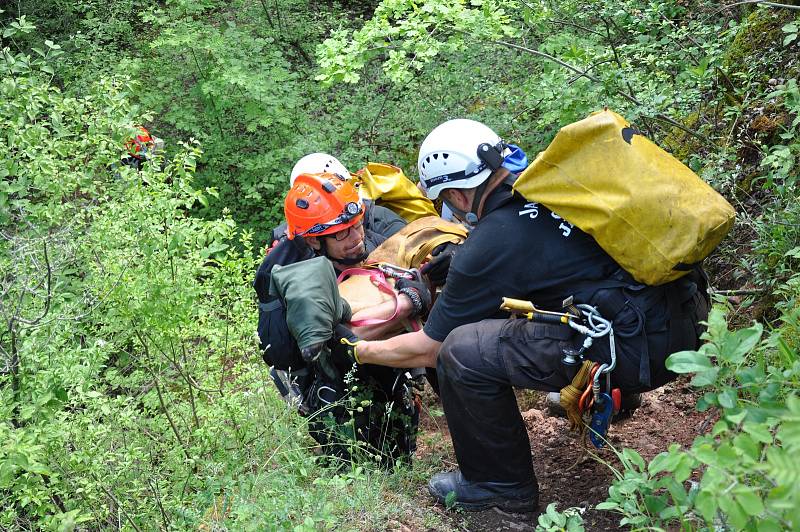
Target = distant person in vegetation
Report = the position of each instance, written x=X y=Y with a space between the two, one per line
x=379 y=222
x=522 y=250
x=141 y=148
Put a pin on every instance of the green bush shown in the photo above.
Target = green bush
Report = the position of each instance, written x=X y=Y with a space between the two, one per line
x=746 y=465
x=131 y=391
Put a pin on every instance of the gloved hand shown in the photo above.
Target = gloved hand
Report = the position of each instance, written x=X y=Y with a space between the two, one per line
x=345 y=343
x=436 y=269
x=418 y=293
x=311 y=354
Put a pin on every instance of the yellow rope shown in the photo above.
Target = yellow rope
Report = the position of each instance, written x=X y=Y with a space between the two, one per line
x=571 y=393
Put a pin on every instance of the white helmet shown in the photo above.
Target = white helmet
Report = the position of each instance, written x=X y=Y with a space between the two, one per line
x=317 y=163
x=448 y=157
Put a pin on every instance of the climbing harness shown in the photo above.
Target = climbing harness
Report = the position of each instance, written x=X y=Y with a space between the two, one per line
x=586 y=320
x=378 y=274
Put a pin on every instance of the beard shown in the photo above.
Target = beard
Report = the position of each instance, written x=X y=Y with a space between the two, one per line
x=353 y=256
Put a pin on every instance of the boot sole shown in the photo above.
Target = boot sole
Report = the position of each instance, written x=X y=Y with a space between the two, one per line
x=507 y=505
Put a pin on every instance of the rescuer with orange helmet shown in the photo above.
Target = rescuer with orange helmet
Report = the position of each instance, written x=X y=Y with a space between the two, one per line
x=379 y=220
x=327 y=212
x=141 y=147
x=325 y=216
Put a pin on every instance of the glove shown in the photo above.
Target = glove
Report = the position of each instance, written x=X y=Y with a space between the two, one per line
x=345 y=343
x=436 y=269
x=311 y=354
x=418 y=293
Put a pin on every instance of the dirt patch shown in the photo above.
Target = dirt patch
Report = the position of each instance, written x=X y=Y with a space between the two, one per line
x=568 y=474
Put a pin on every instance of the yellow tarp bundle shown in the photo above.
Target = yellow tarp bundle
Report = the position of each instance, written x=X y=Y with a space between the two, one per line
x=647 y=210
x=410 y=247
x=388 y=186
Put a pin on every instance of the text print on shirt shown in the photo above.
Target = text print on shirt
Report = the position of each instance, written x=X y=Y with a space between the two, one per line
x=565 y=226
x=531 y=209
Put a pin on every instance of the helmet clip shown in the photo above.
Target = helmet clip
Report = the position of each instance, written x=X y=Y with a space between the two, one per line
x=492 y=156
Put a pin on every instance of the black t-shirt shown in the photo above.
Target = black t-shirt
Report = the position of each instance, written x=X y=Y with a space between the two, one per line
x=518 y=249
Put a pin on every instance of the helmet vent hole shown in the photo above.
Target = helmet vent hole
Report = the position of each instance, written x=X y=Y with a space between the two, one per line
x=436 y=156
x=445 y=155
x=328 y=187
x=302 y=204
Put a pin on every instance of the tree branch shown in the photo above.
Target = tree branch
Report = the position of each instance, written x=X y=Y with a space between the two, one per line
x=661 y=117
x=161 y=401
x=578 y=26
x=760 y=2
x=186 y=376
x=727 y=293
x=116 y=501
x=49 y=292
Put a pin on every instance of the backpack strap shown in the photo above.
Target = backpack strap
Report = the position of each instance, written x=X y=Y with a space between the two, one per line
x=612 y=295
x=416 y=254
x=270 y=305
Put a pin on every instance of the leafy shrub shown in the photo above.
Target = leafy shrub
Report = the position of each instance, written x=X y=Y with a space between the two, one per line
x=747 y=473
x=131 y=391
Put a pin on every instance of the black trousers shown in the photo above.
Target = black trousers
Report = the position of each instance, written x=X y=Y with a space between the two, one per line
x=480 y=363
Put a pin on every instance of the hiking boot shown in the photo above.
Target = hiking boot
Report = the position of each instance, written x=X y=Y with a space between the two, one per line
x=554 y=408
x=520 y=497
x=630 y=402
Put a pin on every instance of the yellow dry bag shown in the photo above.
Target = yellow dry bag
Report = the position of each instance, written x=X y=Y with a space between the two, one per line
x=388 y=186
x=647 y=210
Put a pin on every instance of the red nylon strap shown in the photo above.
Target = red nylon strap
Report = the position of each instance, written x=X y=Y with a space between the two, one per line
x=377 y=278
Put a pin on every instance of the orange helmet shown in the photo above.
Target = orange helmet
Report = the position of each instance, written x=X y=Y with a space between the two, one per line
x=141 y=145
x=321 y=204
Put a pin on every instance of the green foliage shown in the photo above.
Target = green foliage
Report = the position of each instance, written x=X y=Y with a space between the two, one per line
x=782 y=161
x=624 y=53
x=746 y=467
x=569 y=520
x=407 y=35
x=791 y=30
x=131 y=391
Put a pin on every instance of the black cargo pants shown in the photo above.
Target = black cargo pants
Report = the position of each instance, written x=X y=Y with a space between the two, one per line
x=480 y=363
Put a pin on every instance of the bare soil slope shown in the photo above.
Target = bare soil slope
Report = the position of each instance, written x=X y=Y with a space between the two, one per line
x=568 y=474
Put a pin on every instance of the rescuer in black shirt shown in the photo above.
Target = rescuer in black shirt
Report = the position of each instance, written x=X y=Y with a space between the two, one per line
x=521 y=249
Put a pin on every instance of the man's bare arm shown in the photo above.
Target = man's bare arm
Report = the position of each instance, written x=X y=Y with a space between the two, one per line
x=383 y=310
x=411 y=350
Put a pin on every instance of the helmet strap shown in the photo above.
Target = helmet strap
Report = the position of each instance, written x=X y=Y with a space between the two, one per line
x=482 y=191
x=477 y=200
x=485 y=189
x=461 y=215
